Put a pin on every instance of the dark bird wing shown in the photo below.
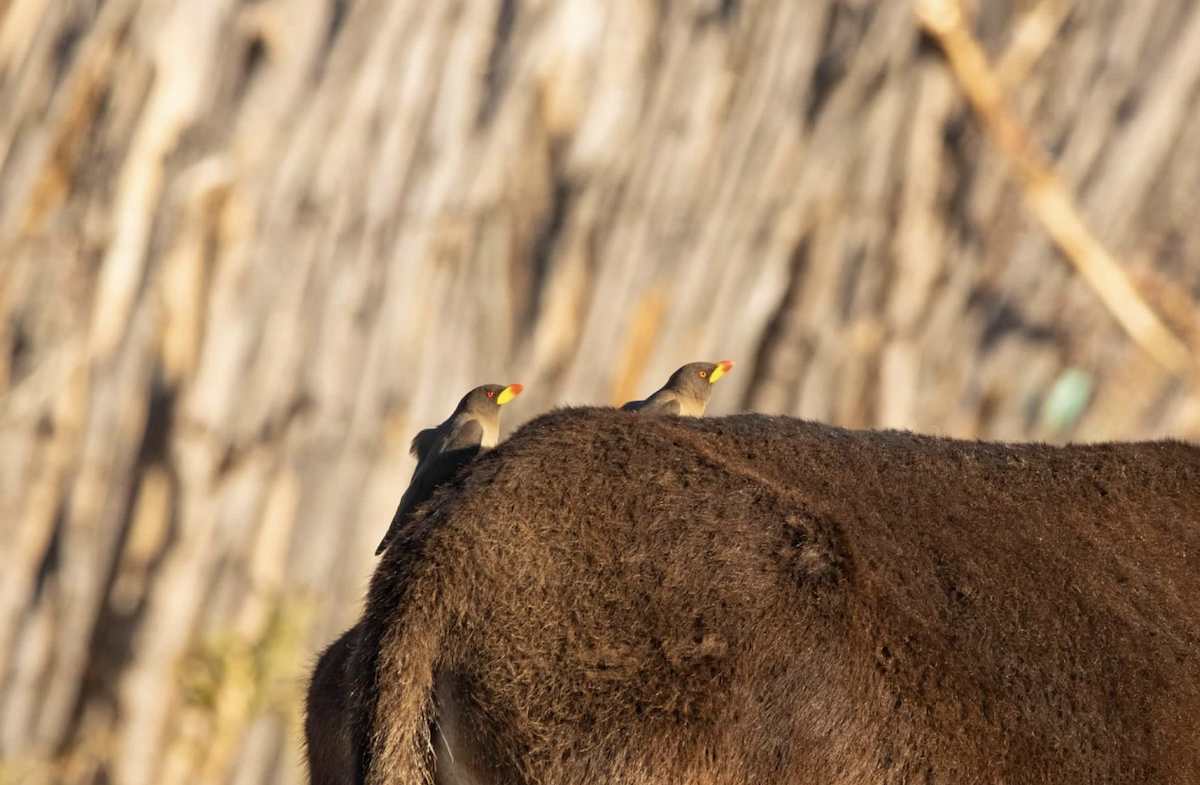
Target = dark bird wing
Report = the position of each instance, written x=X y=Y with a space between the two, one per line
x=423 y=443
x=467 y=432
x=436 y=469
x=659 y=404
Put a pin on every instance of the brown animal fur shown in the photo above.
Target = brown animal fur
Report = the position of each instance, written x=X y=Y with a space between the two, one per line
x=327 y=716
x=755 y=599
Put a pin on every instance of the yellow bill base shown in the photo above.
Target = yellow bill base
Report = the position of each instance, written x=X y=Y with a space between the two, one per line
x=721 y=369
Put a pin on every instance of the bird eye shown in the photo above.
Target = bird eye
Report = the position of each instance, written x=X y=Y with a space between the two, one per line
x=703 y=374
x=491 y=393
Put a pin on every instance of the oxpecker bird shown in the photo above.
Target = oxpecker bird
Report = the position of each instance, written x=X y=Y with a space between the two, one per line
x=442 y=451
x=685 y=393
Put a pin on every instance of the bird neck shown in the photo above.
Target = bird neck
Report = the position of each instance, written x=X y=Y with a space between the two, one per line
x=491 y=433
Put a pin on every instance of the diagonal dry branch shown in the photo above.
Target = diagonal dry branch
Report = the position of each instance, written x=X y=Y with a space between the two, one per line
x=945 y=21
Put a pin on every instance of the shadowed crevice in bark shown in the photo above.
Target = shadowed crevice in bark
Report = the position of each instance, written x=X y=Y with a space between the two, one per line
x=497 y=64
x=545 y=245
x=777 y=330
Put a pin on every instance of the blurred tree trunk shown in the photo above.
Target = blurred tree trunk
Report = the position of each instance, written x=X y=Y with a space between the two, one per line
x=247 y=248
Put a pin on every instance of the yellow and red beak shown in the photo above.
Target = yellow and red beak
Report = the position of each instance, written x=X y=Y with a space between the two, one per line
x=508 y=393
x=722 y=368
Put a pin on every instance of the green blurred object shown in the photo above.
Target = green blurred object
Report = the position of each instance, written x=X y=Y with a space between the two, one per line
x=1067 y=399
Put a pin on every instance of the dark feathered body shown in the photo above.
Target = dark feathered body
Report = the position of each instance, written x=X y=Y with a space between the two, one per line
x=431 y=473
x=686 y=393
x=757 y=599
x=442 y=451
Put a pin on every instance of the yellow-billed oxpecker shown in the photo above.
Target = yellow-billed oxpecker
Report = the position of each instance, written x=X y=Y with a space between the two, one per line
x=685 y=393
x=442 y=451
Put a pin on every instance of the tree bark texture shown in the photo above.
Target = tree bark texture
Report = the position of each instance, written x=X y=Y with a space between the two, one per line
x=247 y=249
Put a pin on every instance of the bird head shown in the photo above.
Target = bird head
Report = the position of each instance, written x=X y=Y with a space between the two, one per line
x=696 y=379
x=489 y=398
